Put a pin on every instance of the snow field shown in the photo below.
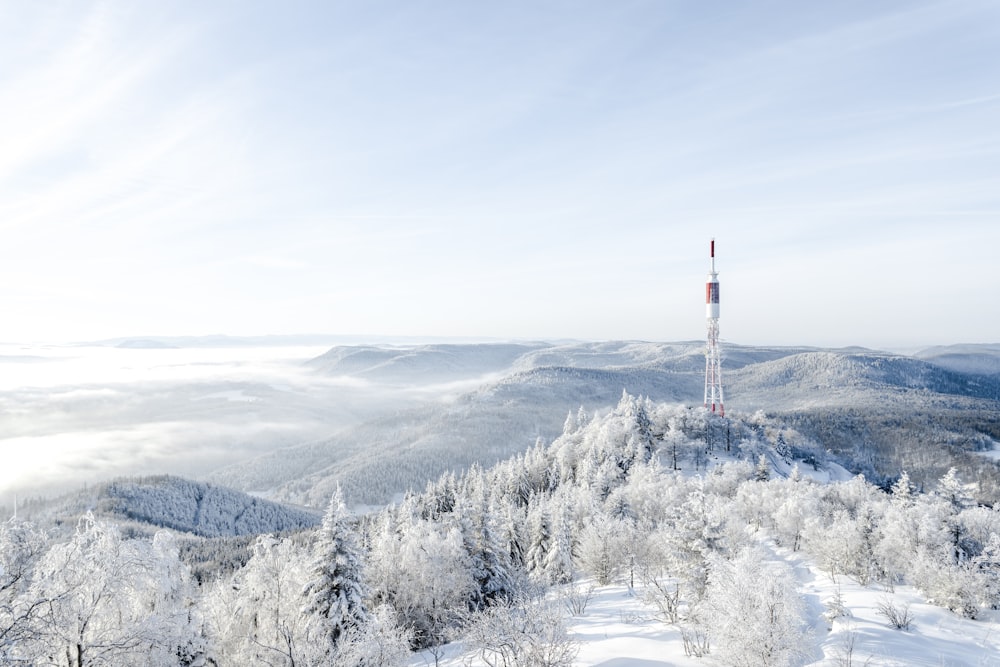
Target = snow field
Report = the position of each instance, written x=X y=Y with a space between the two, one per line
x=618 y=629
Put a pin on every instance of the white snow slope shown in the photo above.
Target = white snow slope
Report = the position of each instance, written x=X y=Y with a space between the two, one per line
x=618 y=629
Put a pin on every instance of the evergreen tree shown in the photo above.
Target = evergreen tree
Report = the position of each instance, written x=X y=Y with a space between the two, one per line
x=571 y=425
x=336 y=593
x=488 y=558
x=512 y=534
x=902 y=491
x=558 y=562
x=539 y=539
x=762 y=472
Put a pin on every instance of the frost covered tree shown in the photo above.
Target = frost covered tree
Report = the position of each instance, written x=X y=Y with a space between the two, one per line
x=899 y=533
x=488 y=559
x=21 y=547
x=558 y=562
x=752 y=612
x=797 y=504
x=952 y=497
x=336 y=593
x=600 y=547
x=640 y=443
x=378 y=642
x=570 y=425
x=844 y=532
x=762 y=472
x=539 y=539
x=695 y=532
x=107 y=601
x=255 y=616
x=423 y=572
x=521 y=632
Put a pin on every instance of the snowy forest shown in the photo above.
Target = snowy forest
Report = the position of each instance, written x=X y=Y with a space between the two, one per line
x=674 y=503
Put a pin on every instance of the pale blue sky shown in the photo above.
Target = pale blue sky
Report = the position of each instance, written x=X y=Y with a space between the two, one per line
x=501 y=169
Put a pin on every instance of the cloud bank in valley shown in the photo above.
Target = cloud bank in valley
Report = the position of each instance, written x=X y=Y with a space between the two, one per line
x=75 y=415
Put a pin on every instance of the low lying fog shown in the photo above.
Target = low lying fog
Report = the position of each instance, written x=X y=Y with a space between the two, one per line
x=74 y=415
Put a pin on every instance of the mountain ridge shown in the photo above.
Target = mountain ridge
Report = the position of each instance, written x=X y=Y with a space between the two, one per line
x=501 y=412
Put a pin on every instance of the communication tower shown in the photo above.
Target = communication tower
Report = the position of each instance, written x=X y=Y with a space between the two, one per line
x=713 y=356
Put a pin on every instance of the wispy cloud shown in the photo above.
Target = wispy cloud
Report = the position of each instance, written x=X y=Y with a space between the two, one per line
x=328 y=166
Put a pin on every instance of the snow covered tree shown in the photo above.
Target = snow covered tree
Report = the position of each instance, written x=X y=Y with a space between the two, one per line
x=540 y=536
x=762 y=472
x=255 y=616
x=798 y=503
x=902 y=490
x=697 y=531
x=487 y=558
x=953 y=498
x=599 y=549
x=844 y=533
x=105 y=603
x=513 y=535
x=640 y=444
x=336 y=593
x=21 y=547
x=571 y=425
x=558 y=562
x=423 y=572
x=752 y=612
x=378 y=642
x=899 y=533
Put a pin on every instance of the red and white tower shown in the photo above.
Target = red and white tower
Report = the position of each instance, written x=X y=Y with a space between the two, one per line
x=713 y=356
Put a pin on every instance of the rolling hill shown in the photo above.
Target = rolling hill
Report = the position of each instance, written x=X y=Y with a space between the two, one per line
x=876 y=412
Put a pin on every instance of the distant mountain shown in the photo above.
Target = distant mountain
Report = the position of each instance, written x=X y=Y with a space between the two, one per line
x=979 y=359
x=851 y=400
x=849 y=378
x=145 y=344
x=519 y=398
x=421 y=364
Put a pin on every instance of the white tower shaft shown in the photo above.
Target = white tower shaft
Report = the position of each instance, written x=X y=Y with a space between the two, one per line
x=713 y=356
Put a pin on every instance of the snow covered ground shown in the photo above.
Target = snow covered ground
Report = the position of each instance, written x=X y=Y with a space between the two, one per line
x=619 y=630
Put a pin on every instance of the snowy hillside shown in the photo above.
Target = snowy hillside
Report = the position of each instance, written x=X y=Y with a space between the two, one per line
x=619 y=628
x=199 y=508
x=482 y=403
x=146 y=504
x=289 y=423
x=653 y=534
x=838 y=378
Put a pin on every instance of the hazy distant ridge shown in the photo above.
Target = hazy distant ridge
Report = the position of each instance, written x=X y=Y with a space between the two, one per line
x=504 y=396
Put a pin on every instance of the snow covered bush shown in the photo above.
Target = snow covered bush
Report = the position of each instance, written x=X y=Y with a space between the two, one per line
x=522 y=633
x=899 y=617
x=378 y=642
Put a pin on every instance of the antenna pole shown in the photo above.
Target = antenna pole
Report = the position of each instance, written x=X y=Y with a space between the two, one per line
x=713 y=356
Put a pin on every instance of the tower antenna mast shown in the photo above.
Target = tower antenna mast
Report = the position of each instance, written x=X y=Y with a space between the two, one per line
x=713 y=356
